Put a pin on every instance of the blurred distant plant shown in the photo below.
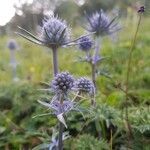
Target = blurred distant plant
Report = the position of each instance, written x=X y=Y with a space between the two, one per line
x=13 y=46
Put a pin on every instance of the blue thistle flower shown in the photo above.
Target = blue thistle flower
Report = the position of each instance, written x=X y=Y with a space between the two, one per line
x=85 y=43
x=62 y=83
x=12 y=44
x=84 y=85
x=101 y=24
x=54 y=33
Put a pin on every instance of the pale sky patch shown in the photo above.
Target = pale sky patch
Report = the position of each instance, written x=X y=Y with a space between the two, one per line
x=7 y=10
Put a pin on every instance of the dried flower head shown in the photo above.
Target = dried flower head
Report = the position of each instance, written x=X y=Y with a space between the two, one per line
x=85 y=43
x=141 y=9
x=12 y=44
x=84 y=85
x=101 y=24
x=62 y=82
x=55 y=32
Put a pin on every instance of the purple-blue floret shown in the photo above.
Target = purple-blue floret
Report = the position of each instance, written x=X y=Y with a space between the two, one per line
x=62 y=83
x=84 y=85
x=55 y=32
x=85 y=43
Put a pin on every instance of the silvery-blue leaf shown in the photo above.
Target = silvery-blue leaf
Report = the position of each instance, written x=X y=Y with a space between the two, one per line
x=61 y=119
x=45 y=104
x=41 y=115
x=41 y=146
x=66 y=135
x=52 y=147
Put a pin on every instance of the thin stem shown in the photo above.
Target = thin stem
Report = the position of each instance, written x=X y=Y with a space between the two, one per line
x=55 y=61
x=111 y=140
x=97 y=49
x=61 y=127
x=60 y=138
x=93 y=67
x=128 y=73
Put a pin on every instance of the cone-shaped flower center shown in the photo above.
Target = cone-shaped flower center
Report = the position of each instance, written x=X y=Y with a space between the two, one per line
x=55 y=32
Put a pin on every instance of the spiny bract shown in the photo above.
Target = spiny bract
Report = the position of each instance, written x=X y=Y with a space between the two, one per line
x=64 y=107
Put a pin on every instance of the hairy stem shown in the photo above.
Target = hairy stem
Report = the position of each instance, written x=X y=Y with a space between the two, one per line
x=128 y=74
x=55 y=61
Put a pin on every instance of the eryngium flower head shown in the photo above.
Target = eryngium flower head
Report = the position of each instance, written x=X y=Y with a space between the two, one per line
x=62 y=82
x=55 y=32
x=101 y=24
x=12 y=44
x=84 y=85
x=85 y=43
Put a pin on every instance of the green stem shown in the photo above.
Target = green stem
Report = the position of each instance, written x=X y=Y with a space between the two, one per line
x=128 y=74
